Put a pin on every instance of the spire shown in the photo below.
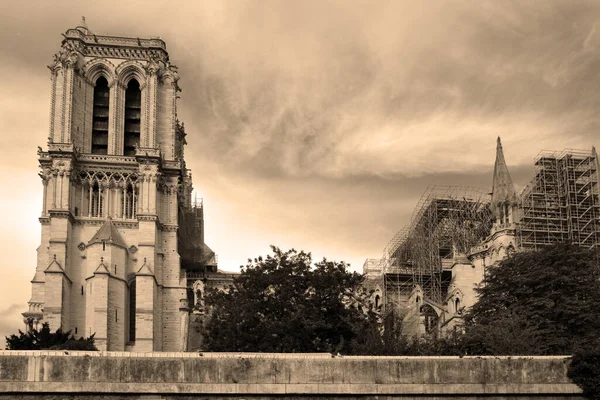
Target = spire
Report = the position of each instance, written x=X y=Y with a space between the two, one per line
x=83 y=27
x=503 y=190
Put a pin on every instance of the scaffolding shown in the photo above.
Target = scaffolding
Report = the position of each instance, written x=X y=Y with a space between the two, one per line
x=447 y=221
x=195 y=254
x=561 y=203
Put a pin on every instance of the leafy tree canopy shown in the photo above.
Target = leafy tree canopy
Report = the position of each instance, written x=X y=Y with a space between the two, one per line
x=584 y=369
x=540 y=302
x=43 y=339
x=283 y=304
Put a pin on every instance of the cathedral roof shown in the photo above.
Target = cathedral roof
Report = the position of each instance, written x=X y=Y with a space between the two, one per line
x=503 y=189
x=145 y=270
x=108 y=233
x=102 y=269
x=54 y=266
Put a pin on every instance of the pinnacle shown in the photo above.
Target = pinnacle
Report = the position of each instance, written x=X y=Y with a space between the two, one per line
x=83 y=27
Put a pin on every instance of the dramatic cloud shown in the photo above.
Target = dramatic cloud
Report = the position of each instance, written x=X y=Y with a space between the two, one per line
x=319 y=124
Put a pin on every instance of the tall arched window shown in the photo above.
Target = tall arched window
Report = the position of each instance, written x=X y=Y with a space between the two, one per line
x=100 y=117
x=130 y=202
x=133 y=110
x=132 y=311
x=96 y=200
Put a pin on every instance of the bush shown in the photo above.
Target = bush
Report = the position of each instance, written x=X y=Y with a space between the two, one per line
x=43 y=339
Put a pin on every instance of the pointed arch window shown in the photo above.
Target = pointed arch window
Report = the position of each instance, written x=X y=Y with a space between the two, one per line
x=100 y=117
x=130 y=200
x=133 y=111
x=96 y=200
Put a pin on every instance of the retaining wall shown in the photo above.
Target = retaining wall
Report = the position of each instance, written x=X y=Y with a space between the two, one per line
x=115 y=375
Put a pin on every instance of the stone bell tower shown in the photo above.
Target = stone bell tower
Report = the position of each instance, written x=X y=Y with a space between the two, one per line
x=114 y=184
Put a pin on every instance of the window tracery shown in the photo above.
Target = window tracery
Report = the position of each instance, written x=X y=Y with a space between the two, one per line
x=104 y=193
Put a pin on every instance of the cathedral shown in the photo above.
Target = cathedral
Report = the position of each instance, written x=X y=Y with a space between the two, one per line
x=122 y=253
x=430 y=270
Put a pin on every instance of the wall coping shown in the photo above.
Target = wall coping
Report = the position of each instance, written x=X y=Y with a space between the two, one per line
x=160 y=354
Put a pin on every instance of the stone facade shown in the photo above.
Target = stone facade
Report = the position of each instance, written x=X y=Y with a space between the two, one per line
x=115 y=193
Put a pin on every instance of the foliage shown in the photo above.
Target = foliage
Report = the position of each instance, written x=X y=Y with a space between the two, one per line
x=584 y=369
x=539 y=302
x=282 y=304
x=43 y=339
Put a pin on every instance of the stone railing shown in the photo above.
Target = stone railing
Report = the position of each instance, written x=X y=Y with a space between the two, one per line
x=116 y=40
x=104 y=158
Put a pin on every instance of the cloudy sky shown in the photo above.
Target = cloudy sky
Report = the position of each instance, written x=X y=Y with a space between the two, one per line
x=316 y=124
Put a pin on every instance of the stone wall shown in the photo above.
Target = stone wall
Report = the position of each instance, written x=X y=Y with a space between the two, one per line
x=85 y=375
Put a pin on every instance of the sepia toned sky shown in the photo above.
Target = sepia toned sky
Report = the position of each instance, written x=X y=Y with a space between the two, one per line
x=316 y=124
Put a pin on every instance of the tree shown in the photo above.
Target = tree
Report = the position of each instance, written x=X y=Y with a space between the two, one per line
x=584 y=369
x=282 y=304
x=539 y=302
x=43 y=339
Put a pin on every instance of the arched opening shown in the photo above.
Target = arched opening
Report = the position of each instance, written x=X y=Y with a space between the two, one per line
x=132 y=311
x=456 y=305
x=198 y=298
x=133 y=110
x=95 y=200
x=430 y=320
x=130 y=202
x=100 y=117
x=190 y=297
x=377 y=298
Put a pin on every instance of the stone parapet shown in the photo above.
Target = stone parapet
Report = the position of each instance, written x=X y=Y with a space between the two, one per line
x=282 y=374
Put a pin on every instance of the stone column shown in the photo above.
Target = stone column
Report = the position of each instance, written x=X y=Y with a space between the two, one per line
x=100 y=308
x=145 y=298
x=67 y=109
x=184 y=318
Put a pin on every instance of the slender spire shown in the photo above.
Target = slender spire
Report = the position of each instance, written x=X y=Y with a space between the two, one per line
x=83 y=27
x=503 y=190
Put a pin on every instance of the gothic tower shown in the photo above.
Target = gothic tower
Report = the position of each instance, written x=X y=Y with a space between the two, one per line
x=114 y=185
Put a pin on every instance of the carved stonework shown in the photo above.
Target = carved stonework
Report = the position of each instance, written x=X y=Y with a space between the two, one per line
x=147 y=152
x=82 y=246
x=169 y=228
x=147 y=217
x=68 y=57
x=61 y=214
